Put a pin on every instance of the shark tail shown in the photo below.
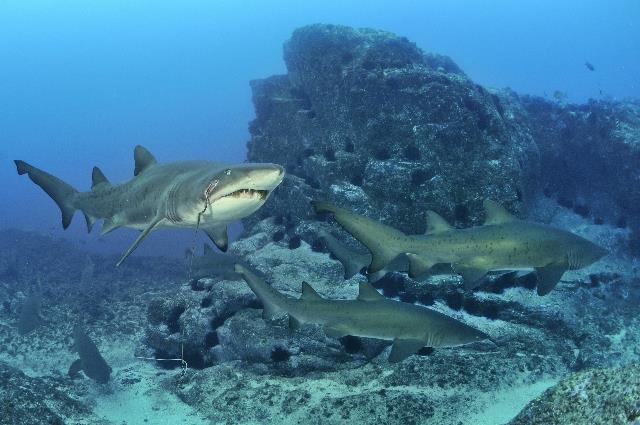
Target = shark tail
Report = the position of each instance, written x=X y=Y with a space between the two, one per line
x=351 y=261
x=383 y=241
x=272 y=300
x=62 y=193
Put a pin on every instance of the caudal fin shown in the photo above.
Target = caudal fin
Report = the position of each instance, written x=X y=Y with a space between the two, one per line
x=352 y=260
x=62 y=193
x=384 y=242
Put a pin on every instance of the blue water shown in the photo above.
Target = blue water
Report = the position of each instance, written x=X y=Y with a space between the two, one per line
x=82 y=82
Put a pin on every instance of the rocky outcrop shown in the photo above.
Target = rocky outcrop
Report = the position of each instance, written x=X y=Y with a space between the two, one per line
x=27 y=400
x=591 y=156
x=594 y=397
x=365 y=119
x=369 y=121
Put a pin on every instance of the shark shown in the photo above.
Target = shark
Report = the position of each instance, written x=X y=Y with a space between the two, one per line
x=30 y=318
x=185 y=194
x=503 y=242
x=213 y=263
x=354 y=260
x=91 y=361
x=371 y=315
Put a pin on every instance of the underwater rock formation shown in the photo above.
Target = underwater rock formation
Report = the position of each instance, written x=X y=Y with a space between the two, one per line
x=34 y=401
x=591 y=156
x=596 y=397
x=378 y=126
x=365 y=119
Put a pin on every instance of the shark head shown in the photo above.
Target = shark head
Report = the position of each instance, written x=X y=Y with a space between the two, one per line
x=584 y=253
x=224 y=194
x=457 y=333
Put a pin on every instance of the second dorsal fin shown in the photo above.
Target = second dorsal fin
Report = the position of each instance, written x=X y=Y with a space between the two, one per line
x=143 y=159
x=369 y=293
x=436 y=224
x=496 y=213
x=97 y=178
x=308 y=293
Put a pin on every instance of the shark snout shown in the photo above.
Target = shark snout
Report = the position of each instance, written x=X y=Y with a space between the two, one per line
x=264 y=176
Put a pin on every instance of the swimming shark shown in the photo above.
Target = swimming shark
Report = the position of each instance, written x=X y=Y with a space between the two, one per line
x=91 y=361
x=212 y=264
x=353 y=260
x=192 y=194
x=503 y=242
x=371 y=315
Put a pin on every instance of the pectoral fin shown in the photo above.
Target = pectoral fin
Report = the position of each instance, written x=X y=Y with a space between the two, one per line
x=218 y=236
x=471 y=275
x=549 y=276
x=75 y=369
x=403 y=348
x=141 y=236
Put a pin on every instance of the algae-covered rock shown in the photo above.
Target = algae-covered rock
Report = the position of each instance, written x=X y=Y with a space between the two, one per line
x=592 y=397
x=26 y=400
x=591 y=157
x=368 y=120
x=188 y=320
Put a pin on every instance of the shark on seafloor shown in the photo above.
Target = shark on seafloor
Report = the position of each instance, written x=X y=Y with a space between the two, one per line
x=503 y=242
x=371 y=315
x=90 y=360
x=189 y=194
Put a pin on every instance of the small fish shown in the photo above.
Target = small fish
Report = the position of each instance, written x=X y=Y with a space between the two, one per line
x=371 y=315
x=91 y=361
x=589 y=66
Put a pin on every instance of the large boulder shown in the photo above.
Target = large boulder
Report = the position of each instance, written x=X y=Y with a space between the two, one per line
x=597 y=396
x=27 y=400
x=591 y=156
x=369 y=121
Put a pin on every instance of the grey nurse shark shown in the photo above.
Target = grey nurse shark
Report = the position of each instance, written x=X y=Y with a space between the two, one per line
x=188 y=194
x=502 y=243
x=213 y=264
x=371 y=315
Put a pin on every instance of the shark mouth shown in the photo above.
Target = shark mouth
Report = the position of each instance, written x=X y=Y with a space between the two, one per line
x=248 y=194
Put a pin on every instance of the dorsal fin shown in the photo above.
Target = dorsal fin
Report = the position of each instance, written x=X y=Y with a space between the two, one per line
x=143 y=159
x=495 y=213
x=436 y=224
x=207 y=249
x=368 y=293
x=308 y=293
x=97 y=177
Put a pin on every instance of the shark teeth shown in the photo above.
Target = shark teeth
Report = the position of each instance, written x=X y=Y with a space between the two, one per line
x=248 y=193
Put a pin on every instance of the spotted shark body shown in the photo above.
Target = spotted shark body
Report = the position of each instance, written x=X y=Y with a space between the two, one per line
x=186 y=194
x=371 y=315
x=502 y=243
